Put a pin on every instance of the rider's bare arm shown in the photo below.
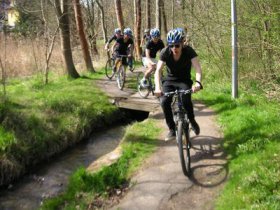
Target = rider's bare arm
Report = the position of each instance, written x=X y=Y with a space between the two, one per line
x=147 y=52
x=106 y=46
x=158 y=74
x=198 y=75
x=113 y=47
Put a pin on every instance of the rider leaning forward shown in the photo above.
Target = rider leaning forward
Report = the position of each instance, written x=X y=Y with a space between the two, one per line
x=124 y=46
x=179 y=59
x=117 y=34
x=154 y=45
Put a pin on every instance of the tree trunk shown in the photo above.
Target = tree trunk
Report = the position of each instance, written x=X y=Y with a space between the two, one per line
x=172 y=8
x=158 y=20
x=164 y=18
x=137 y=27
x=80 y=28
x=119 y=14
x=90 y=29
x=102 y=20
x=64 y=30
x=148 y=14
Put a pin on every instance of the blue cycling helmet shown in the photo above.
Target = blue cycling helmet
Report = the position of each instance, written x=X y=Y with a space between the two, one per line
x=155 y=33
x=127 y=31
x=175 y=36
x=182 y=31
x=118 y=31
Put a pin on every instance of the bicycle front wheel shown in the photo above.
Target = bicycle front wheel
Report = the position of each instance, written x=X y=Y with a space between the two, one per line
x=184 y=148
x=132 y=67
x=109 y=68
x=143 y=91
x=121 y=77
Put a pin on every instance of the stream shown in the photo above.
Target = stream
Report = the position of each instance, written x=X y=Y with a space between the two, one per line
x=52 y=178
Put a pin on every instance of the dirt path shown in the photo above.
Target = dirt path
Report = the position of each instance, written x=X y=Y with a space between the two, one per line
x=160 y=184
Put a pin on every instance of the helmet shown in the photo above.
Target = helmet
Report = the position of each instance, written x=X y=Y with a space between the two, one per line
x=127 y=31
x=155 y=33
x=175 y=36
x=118 y=31
x=147 y=30
x=182 y=31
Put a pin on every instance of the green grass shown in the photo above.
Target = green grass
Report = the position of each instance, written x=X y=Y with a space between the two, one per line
x=38 y=121
x=139 y=142
x=251 y=139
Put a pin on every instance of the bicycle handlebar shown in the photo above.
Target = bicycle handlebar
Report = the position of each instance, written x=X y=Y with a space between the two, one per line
x=121 y=56
x=176 y=92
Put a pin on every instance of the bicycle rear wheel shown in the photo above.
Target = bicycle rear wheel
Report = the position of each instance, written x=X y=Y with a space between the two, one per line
x=184 y=148
x=109 y=68
x=121 y=77
x=143 y=91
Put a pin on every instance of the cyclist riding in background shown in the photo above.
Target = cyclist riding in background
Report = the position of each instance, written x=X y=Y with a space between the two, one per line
x=117 y=34
x=179 y=59
x=154 y=45
x=130 y=51
x=146 y=37
x=122 y=45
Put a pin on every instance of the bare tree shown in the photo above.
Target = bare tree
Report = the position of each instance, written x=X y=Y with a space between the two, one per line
x=164 y=18
x=62 y=7
x=3 y=67
x=49 y=41
x=3 y=72
x=148 y=14
x=158 y=20
x=172 y=7
x=137 y=27
x=102 y=20
x=90 y=25
x=119 y=14
x=81 y=31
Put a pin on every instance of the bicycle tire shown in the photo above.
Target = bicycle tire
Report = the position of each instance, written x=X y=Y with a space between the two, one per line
x=143 y=91
x=121 y=77
x=109 y=71
x=133 y=65
x=184 y=148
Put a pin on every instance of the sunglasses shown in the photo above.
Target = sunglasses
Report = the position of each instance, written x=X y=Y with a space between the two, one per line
x=174 y=45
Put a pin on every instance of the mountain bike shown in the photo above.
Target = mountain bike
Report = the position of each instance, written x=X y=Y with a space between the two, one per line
x=182 y=130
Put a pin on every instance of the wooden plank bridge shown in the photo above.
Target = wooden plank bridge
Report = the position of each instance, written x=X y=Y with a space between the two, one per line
x=127 y=98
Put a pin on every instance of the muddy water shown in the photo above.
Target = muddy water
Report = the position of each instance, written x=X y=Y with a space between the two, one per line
x=52 y=178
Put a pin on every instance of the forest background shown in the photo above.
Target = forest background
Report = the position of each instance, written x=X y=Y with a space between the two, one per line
x=32 y=47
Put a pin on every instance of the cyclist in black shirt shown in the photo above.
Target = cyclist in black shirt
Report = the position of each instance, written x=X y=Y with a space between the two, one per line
x=118 y=34
x=122 y=45
x=179 y=59
x=149 y=58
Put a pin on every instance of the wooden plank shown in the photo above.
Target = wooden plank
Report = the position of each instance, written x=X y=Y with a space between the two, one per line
x=142 y=105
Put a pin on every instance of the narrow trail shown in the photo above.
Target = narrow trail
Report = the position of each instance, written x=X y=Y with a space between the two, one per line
x=161 y=184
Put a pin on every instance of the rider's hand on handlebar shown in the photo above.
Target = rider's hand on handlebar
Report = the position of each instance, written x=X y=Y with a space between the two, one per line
x=158 y=93
x=196 y=87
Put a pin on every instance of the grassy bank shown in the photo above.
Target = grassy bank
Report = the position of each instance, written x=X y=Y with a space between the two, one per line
x=251 y=139
x=85 y=188
x=39 y=121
